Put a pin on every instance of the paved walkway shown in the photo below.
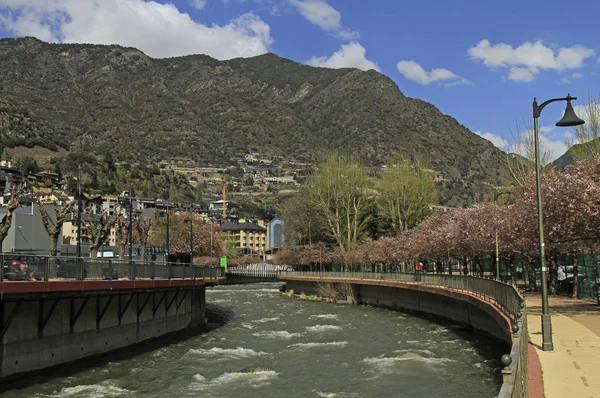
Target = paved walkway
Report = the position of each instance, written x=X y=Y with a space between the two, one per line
x=573 y=368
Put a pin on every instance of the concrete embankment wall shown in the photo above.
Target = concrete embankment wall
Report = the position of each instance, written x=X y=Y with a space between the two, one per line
x=453 y=305
x=56 y=328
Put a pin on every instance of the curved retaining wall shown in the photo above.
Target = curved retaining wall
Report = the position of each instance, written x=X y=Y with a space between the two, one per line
x=458 y=306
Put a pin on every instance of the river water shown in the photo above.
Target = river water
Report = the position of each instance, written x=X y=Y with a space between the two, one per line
x=261 y=343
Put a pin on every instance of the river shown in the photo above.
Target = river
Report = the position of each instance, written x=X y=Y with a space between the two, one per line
x=261 y=343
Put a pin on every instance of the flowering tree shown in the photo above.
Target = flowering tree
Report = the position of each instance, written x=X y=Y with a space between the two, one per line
x=179 y=236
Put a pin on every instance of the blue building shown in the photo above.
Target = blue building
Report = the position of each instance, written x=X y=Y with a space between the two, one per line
x=276 y=238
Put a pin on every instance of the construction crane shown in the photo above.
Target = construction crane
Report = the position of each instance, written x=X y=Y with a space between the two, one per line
x=225 y=182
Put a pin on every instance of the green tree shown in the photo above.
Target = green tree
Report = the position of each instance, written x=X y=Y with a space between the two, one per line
x=302 y=221
x=29 y=165
x=339 y=189
x=406 y=193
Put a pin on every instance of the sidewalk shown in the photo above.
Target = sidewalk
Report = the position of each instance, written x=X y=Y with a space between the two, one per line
x=573 y=368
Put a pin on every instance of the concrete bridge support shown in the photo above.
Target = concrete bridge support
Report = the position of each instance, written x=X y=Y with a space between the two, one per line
x=40 y=329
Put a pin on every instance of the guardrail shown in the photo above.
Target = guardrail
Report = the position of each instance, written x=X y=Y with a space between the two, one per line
x=506 y=296
x=260 y=270
x=21 y=267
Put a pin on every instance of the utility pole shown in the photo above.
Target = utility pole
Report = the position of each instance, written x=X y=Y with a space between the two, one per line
x=78 y=210
x=130 y=226
x=211 y=241
x=167 y=243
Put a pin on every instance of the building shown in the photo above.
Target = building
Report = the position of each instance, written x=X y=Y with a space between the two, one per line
x=27 y=232
x=245 y=235
x=275 y=232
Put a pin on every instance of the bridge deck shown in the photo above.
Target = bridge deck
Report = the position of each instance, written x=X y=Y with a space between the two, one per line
x=94 y=285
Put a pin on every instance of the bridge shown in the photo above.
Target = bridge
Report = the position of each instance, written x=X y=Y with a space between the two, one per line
x=55 y=310
x=254 y=273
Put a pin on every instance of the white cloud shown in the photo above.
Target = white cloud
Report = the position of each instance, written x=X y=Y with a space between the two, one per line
x=494 y=139
x=160 y=30
x=199 y=4
x=526 y=60
x=522 y=75
x=413 y=71
x=320 y=13
x=351 y=55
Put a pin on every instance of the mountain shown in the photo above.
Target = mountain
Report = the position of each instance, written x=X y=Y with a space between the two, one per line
x=577 y=151
x=115 y=99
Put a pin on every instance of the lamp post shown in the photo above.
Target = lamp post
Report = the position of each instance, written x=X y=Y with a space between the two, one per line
x=569 y=119
x=130 y=227
x=78 y=210
x=212 y=226
x=496 y=196
x=167 y=239
x=189 y=220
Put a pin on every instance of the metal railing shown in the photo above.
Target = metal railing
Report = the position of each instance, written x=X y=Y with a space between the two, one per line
x=261 y=270
x=23 y=267
x=505 y=296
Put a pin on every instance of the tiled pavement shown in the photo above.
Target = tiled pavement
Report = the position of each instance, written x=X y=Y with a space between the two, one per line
x=573 y=368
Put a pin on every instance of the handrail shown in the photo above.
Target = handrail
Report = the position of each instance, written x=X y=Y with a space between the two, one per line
x=506 y=297
x=24 y=267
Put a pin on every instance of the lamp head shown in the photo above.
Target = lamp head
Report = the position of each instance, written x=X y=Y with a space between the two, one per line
x=569 y=119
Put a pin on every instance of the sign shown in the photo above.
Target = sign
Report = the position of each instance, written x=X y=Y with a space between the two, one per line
x=223 y=262
x=106 y=253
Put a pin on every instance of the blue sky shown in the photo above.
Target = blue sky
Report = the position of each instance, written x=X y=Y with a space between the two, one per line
x=481 y=62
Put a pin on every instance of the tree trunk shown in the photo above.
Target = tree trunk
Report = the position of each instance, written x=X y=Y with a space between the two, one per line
x=122 y=253
x=93 y=252
x=143 y=252
x=53 y=243
x=576 y=276
x=531 y=275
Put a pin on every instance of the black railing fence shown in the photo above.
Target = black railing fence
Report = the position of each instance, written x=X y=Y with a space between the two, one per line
x=23 y=267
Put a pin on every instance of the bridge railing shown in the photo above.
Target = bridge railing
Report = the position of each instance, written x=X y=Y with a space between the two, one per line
x=507 y=298
x=261 y=270
x=20 y=267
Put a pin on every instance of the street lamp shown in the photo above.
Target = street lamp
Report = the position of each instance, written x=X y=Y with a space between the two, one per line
x=212 y=227
x=78 y=211
x=496 y=196
x=569 y=119
x=130 y=227
x=189 y=220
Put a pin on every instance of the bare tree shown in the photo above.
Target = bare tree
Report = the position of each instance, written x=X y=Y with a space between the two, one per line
x=143 y=226
x=14 y=202
x=122 y=232
x=520 y=158
x=98 y=227
x=54 y=227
